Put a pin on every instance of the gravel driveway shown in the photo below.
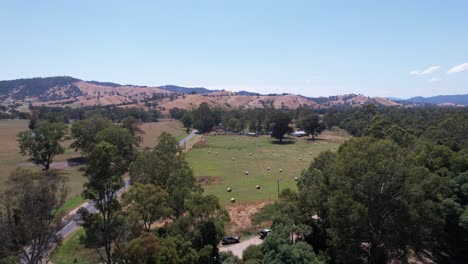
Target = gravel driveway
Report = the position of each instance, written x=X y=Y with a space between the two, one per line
x=238 y=248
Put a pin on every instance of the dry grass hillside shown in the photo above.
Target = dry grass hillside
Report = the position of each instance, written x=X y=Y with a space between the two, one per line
x=68 y=91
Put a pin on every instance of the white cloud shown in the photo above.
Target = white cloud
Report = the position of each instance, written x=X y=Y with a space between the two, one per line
x=429 y=70
x=433 y=80
x=459 y=68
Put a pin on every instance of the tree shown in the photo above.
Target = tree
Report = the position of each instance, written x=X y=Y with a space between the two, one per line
x=104 y=172
x=280 y=125
x=277 y=249
x=203 y=118
x=252 y=252
x=168 y=145
x=146 y=203
x=43 y=143
x=32 y=218
x=84 y=132
x=148 y=248
x=132 y=125
x=122 y=139
x=186 y=119
x=310 y=123
x=165 y=166
x=232 y=123
x=365 y=192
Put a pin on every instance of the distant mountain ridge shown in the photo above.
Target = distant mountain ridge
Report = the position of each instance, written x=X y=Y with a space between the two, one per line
x=186 y=90
x=68 y=91
x=460 y=99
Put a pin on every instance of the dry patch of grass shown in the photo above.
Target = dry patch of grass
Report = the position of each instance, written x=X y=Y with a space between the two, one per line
x=208 y=180
x=241 y=215
x=155 y=129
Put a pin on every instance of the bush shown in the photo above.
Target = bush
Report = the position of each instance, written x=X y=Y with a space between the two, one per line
x=252 y=252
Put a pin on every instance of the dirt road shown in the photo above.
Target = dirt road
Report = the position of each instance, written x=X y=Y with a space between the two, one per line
x=238 y=248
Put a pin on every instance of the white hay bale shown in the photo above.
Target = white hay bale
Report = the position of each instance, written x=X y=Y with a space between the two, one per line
x=250 y=154
x=233 y=200
x=233 y=158
x=300 y=158
x=268 y=168
x=246 y=173
x=280 y=170
x=296 y=179
x=229 y=190
x=257 y=187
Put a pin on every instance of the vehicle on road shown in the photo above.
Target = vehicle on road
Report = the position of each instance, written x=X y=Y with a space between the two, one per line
x=264 y=233
x=230 y=240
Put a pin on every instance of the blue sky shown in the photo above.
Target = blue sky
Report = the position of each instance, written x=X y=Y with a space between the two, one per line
x=314 y=48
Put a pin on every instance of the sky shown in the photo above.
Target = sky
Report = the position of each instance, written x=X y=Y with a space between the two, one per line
x=314 y=48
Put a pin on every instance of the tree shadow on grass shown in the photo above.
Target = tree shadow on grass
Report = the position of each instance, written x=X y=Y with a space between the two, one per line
x=78 y=161
x=286 y=141
x=315 y=139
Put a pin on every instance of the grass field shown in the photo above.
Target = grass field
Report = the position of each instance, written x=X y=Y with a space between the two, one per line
x=71 y=251
x=10 y=158
x=154 y=130
x=217 y=172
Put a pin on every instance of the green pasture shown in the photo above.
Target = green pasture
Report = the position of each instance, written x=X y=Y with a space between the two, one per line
x=214 y=167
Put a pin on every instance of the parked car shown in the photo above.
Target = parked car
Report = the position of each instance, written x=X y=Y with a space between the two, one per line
x=230 y=240
x=264 y=233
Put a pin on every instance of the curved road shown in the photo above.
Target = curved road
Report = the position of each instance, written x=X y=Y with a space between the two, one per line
x=72 y=219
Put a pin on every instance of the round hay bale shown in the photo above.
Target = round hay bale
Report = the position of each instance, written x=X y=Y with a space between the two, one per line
x=216 y=153
x=233 y=158
x=257 y=187
x=310 y=153
x=233 y=200
x=268 y=168
x=296 y=179
x=246 y=173
x=229 y=190
x=250 y=154
x=280 y=170
x=300 y=158
x=209 y=152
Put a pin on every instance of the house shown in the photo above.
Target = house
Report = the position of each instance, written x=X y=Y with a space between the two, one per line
x=252 y=134
x=299 y=134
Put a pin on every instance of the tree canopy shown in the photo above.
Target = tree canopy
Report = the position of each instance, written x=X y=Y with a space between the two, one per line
x=42 y=143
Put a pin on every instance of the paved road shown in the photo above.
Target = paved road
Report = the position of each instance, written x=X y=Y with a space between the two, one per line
x=72 y=219
x=188 y=138
x=238 y=248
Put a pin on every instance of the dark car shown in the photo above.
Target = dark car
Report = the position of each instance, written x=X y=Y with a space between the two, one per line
x=264 y=233
x=230 y=240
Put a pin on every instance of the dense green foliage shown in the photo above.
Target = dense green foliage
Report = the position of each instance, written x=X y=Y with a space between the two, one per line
x=397 y=191
x=42 y=143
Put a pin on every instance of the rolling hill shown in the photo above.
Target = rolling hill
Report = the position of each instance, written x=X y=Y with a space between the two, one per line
x=68 y=91
x=461 y=99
